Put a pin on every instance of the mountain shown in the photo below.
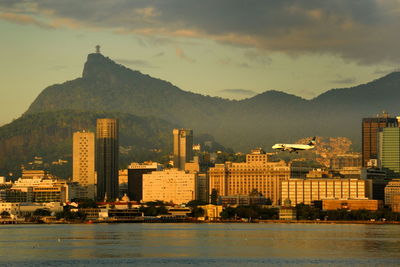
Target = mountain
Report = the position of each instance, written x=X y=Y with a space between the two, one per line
x=49 y=135
x=262 y=120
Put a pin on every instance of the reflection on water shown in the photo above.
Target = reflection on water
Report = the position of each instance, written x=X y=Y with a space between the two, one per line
x=200 y=244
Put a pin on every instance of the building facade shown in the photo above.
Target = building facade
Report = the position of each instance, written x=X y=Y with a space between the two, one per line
x=183 y=147
x=202 y=187
x=308 y=190
x=351 y=204
x=389 y=151
x=256 y=174
x=392 y=189
x=345 y=161
x=370 y=127
x=107 y=150
x=83 y=164
x=170 y=185
x=135 y=178
x=37 y=190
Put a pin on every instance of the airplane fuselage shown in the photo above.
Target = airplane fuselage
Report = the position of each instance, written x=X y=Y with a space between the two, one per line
x=292 y=147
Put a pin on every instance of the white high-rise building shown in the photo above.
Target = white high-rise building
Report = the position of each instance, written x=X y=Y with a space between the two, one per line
x=84 y=164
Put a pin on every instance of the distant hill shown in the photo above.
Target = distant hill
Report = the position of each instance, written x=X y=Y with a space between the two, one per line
x=49 y=135
x=262 y=120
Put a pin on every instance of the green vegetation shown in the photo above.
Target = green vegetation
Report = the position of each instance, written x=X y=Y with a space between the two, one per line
x=154 y=208
x=41 y=212
x=4 y=214
x=250 y=212
x=195 y=203
x=306 y=212
x=70 y=215
x=85 y=203
x=232 y=157
x=197 y=212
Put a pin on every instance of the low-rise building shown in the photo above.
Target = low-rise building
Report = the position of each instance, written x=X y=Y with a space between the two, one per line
x=392 y=189
x=308 y=190
x=242 y=200
x=212 y=212
x=351 y=204
x=22 y=209
x=396 y=203
x=287 y=213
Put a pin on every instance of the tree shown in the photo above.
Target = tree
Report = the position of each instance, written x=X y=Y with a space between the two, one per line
x=306 y=212
x=42 y=212
x=197 y=212
x=194 y=203
x=268 y=201
x=5 y=214
x=70 y=215
x=255 y=193
x=228 y=213
x=214 y=196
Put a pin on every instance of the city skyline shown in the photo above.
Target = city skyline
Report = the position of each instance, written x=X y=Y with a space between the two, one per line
x=297 y=47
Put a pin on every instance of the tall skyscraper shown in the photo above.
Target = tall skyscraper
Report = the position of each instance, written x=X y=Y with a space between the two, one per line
x=389 y=151
x=83 y=164
x=183 y=147
x=107 y=150
x=370 y=127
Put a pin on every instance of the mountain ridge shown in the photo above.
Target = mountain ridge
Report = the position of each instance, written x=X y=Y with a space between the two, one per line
x=265 y=118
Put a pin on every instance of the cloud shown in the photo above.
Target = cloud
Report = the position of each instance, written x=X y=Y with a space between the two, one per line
x=181 y=54
x=244 y=92
x=160 y=54
x=231 y=62
x=363 y=31
x=23 y=19
x=386 y=71
x=344 y=80
x=135 y=62
x=258 y=58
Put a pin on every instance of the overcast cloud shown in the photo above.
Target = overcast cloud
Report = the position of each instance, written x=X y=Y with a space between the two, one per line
x=366 y=31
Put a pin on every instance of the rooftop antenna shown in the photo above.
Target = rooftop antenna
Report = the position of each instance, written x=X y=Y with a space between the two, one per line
x=97 y=49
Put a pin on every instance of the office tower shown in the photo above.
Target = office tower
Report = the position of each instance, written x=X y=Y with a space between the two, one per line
x=389 y=151
x=202 y=187
x=183 y=147
x=257 y=173
x=107 y=149
x=370 y=128
x=135 y=178
x=83 y=164
x=170 y=185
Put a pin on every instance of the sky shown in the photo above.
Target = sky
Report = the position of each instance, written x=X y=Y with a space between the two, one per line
x=229 y=48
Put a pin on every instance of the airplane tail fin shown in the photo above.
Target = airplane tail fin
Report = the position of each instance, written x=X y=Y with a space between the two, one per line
x=312 y=142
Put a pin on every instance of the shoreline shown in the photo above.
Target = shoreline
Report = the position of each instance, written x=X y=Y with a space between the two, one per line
x=11 y=222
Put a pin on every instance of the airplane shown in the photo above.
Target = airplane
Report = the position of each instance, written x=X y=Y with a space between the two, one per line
x=294 y=147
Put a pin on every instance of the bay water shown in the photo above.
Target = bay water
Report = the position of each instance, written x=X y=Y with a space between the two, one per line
x=219 y=244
